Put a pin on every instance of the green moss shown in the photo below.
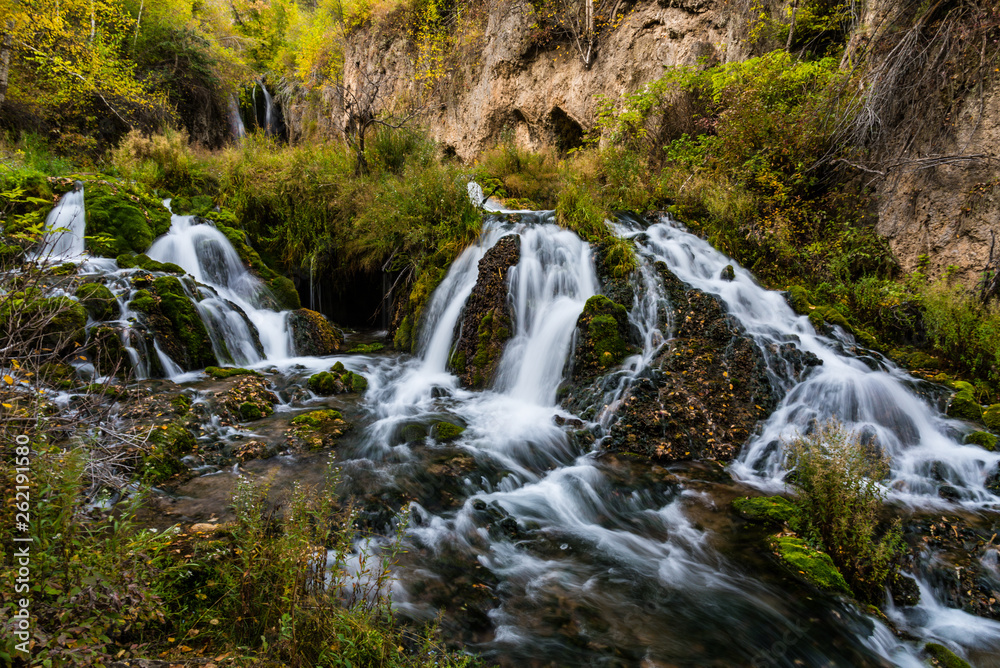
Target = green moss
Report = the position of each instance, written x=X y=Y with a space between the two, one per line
x=364 y=348
x=446 y=431
x=65 y=269
x=945 y=657
x=809 y=563
x=168 y=443
x=358 y=383
x=221 y=373
x=285 y=294
x=187 y=324
x=983 y=439
x=991 y=417
x=338 y=367
x=250 y=411
x=799 y=300
x=963 y=404
x=98 y=300
x=458 y=362
x=313 y=334
x=728 y=273
x=107 y=351
x=181 y=404
x=315 y=418
x=143 y=302
x=402 y=340
x=767 y=509
x=323 y=383
x=125 y=221
x=58 y=375
x=67 y=319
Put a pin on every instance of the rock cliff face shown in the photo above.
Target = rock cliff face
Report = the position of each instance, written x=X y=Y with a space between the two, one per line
x=546 y=97
x=948 y=208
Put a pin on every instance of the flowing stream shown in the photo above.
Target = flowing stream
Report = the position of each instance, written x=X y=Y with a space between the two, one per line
x=548 y=552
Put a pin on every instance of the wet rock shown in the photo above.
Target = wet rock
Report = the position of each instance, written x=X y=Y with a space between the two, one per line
x=316 y=429
x=486 y=324
x=601 y=337
x=313 y=334
x=767 y=509
x=254 y=449
x=791 y=362
x=904 y=590
x=708 y=391
x=446 y=431
x=963 y=404
x=98 y=300
x=337 y=381
x=991 y=417
x=983 y=439
x=944 y=657
x=810 y=564
x=618 y=290
x=121 y=222
x=174 y=322
x=248 y=399
x=728 y=273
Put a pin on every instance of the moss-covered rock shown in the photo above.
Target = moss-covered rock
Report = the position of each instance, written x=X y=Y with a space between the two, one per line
x=601 y=337
x=767 y=509
x=963 y=404
x=168 y=443
x=944 y=657
x=175 y=323
x=247 y=399
x=704 y=392
x=143 y=261
x=119 y=221
x=446 y=431
x=317 y=429
x=313 y=334
x=486 y=324
x=810 y=564
x=983 y=439
x=991 y=417
x=366 y=348
x=286 y=296
x=798 y=298
x=98 y=300
x=221 y=373
x=58 y=374
x=59 y=322
x=337 y=381
x=728 y=273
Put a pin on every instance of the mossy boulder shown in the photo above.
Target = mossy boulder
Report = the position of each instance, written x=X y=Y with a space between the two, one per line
x=143 y=261
x=767 y=509
x=728 y=273
x=963 y=404
x=798 y=298
x=175 y=323
x=446 y=431
x=286 y=297
x=313 y=334
x=221 y=373
x=983 y=439
x=126 y=221
x=248 y=399
x=486 y=324
x=944 y=657
x=810 y=564
x=991 y=417
x=168 y=443
x=98 y=300
x=823 y=315
x=703 y=394
x=317 y=429
x=602 y=329
x=337 y=381
x=196 y=205
x=59 y=322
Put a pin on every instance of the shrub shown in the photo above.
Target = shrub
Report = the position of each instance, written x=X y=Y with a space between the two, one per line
x=962 y=328
x=840 y=502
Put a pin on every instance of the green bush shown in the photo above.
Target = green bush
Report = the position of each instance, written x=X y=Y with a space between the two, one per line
x=963 y=329
x=840 y=502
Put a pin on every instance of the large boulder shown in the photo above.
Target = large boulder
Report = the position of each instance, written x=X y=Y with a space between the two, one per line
x=704 y=393
x=486 y=324
x=175 y=323
x=602 y=331
x=313 y=334
x=119 y=222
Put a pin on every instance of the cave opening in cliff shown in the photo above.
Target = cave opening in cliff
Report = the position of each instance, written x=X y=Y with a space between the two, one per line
x=568 y=133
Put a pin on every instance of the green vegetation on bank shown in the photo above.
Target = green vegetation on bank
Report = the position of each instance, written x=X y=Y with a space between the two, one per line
x=104 y=588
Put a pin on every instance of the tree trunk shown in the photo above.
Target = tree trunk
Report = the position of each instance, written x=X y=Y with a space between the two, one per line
x=5 y=60
x=791 y=28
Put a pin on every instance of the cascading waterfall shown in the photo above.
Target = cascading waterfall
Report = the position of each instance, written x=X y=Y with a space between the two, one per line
x=644 y=574
x=230 y=293
x=65 y=227
x=236 y=126
x=269 y=126
x=876 y=403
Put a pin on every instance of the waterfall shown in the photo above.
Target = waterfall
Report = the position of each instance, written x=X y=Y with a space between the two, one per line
x=230 y=292
x=64 y=229
x=269 y=125
x=877 y=403
x=237 y=128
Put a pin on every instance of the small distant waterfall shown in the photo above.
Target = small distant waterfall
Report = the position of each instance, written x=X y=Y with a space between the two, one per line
x=65 y=227
x=231 y=291
x=236 y=126
x=269 y=122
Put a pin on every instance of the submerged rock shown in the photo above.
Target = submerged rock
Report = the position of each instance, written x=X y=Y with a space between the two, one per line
x=705 y=392
x=486 y=325
x=313 y=334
